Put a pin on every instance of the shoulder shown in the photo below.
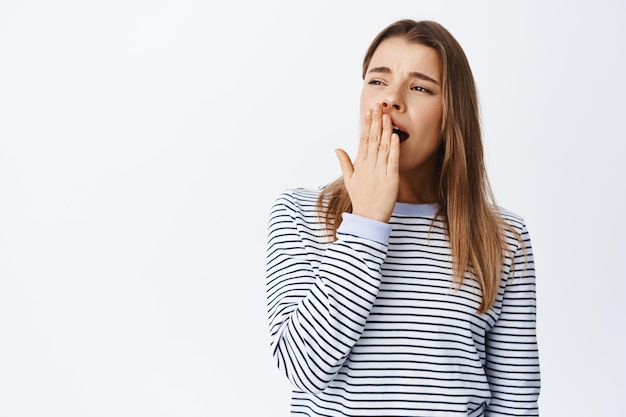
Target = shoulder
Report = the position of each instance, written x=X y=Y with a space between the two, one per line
x=515 y=228
x=296 y=209
x=301 y=197
x=298 y=201
x=512 y=219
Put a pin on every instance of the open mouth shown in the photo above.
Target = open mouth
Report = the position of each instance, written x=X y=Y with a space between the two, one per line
x=401 y=134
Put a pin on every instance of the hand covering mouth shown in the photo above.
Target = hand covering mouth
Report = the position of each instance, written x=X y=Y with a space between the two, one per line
x=401 y=134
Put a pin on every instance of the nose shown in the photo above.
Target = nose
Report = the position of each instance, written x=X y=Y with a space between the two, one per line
x=394 y=100
x=392 y=105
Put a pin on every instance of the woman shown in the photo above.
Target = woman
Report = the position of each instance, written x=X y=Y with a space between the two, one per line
x=401 y=289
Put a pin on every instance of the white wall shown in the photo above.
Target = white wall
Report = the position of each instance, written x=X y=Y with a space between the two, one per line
x=142 y=143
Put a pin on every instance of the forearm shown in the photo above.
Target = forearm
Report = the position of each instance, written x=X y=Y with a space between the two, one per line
x=512 y=353
x=316 y=316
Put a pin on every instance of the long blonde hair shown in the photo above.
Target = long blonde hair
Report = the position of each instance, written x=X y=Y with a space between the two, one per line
x=473 y=224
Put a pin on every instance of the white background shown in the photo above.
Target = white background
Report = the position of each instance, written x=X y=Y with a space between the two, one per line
x=143 y=142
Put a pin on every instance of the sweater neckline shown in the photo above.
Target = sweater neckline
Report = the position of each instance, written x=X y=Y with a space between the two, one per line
x=409 y=209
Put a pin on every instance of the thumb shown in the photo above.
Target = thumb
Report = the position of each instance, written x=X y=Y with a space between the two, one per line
x=344 y=162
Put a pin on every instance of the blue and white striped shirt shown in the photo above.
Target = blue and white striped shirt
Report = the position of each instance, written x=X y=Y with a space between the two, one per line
x=372 y=324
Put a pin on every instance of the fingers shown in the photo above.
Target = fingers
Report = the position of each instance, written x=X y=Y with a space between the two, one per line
x=375 y=133
x=365 y=132
x=372 y=181
x=344 y=162
x=385 y=140
x=393 y=160
x=377 y=146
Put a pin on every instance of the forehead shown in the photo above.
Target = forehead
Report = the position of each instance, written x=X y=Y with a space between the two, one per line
x=399 y=54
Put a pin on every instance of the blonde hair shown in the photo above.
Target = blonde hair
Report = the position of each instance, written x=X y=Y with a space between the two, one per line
x=472 y=221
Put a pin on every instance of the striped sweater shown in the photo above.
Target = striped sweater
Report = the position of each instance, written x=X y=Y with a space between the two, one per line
x=372 y=324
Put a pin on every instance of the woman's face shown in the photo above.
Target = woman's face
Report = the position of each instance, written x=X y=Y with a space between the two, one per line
x=405 y=78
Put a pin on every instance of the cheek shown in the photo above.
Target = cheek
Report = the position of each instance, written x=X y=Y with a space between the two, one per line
x=429 y=119
x=364 y=105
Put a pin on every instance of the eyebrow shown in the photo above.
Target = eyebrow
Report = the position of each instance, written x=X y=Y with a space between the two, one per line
x=414 y=74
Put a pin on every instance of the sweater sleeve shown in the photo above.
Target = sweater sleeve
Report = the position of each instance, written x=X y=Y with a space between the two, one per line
x=316 y=315
x=512 y=364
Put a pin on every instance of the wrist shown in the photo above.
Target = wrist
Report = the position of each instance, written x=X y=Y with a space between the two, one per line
x=365 y=227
